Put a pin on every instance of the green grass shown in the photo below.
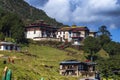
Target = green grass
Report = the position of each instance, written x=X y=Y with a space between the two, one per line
x=102 y=53
x=46 y=64
x=78 y=54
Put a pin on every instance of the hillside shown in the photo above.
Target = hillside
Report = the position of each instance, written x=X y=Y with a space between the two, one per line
x=25 y=11
x=43 y=61
x=102 y=53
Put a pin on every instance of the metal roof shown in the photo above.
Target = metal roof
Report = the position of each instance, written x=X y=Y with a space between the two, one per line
x=74 y=29
x=70 y=62
x=9 y=43
x=90 y=63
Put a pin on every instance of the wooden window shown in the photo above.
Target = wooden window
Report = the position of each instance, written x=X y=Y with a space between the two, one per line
x=63 y=32
x=81 y=67
x=63 y=36
x=34 y=31
x=6 y=47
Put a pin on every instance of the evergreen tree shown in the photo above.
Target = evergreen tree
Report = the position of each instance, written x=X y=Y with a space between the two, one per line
x=103 y=36
x=103 y=31
x=91 y=45
x=12 y=26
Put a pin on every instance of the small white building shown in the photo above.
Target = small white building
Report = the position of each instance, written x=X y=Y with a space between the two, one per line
x=73 y=34
x=92 y=34
x=9 y=46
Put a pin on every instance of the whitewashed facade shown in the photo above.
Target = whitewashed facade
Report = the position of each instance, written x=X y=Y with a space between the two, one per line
x=9 y=46
x=73 y=34
x=40 y=31
x=31 y=34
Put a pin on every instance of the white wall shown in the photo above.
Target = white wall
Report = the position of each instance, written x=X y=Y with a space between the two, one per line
x=31 y=35
x=92 y=35
x=2 y=47
x=69 y=36
x=66 y=34
x=82 y=34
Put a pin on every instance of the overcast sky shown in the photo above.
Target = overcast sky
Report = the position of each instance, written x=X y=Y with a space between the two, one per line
x=90 y=13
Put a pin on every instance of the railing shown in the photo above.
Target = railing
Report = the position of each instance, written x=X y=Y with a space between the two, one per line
x=75 y=36
x=42 y=39
x=87 y=73
x=68 y=69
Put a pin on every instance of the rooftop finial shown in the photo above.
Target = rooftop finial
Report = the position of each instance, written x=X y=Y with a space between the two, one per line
x=74 y=25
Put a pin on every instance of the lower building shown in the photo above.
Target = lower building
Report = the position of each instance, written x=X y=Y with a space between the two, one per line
x=76 y=68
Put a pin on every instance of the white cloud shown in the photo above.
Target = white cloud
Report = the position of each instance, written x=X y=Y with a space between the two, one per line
x=102 y=4
x=113 y=26
x=58 y=9
x=83 y=11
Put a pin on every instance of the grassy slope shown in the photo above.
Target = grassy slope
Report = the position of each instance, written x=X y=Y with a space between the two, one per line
x=102 y=53
x=46 y=64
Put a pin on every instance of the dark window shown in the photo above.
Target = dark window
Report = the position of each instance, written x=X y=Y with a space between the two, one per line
x=6 y=47
x=56 y=33
x=11 y=47
x=34 y=31
x=16 y=47
x=63 y=36
x=81 y=67
x=64 y=32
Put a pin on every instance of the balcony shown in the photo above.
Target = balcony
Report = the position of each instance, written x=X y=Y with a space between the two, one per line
x=75 y=36
x=68 y=69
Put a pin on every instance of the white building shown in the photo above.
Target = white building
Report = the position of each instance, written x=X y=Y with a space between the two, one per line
x=73 y=34
x=40 y=31
x=9 y=46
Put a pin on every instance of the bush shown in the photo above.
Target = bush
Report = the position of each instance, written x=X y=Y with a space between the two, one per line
x=10 y=40
x=2 y=37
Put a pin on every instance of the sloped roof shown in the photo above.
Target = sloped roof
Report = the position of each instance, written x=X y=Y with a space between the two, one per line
x=80 y=29
x=89 y=63
x=92 y=32
x=36 y=25
x=65 y=29
x=74 y=29
x=70 y=62
x=74 y=62
x=7 y=43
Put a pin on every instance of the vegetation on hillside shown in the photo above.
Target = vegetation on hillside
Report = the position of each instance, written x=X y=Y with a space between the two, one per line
x=108 y=65
x=35 y=62
x=26 y=12
x=11 y=26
